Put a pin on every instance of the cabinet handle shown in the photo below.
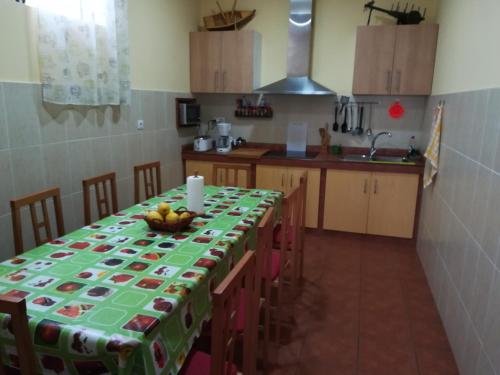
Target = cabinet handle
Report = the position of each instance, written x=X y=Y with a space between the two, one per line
x=216 y=80
x=388 y=82
x=375 y=187
x=224 y=81
x=365 y=189
x=291 y=182
x=283 y=181
x=398 y=80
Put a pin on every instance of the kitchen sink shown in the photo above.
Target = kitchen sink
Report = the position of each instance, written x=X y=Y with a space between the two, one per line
x=377 y=159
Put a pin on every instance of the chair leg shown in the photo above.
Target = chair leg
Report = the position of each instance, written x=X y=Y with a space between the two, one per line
x=278 y=318
x=267 y=320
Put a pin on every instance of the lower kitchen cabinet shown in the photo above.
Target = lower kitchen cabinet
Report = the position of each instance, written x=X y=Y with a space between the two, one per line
x=347 y=195
x=374 y=203
x=285 y=179
x=393 y=201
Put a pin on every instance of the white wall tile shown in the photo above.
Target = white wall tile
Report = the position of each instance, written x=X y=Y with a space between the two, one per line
x=21 y=107
x=4 y=135
x=57 y=166
x=466 y=267
x=7 y=184
x=28 y=170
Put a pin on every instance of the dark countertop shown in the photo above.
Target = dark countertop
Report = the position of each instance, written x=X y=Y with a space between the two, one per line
x=323 y=161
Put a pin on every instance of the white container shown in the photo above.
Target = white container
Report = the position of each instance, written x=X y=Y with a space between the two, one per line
x=195 y=193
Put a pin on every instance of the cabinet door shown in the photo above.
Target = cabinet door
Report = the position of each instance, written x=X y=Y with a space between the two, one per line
x=414 y=59
x=238 y=48
x=392 y=204
x=374 y=58
x=313 y=184
x=205 y=60
x=347 y=194
x=271 y=177
x=204 y=168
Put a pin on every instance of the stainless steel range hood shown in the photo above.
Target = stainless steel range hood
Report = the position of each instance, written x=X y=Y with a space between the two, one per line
x=297 y=81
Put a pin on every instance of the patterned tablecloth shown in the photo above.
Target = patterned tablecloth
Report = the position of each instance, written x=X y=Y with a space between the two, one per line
x=115 y=297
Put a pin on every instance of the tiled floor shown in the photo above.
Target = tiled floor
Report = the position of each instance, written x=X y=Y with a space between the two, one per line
x=365 y=309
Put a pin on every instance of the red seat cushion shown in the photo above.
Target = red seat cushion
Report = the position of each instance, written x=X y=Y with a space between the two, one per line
x=277 y=235
x=275 y=264
x=199 y=363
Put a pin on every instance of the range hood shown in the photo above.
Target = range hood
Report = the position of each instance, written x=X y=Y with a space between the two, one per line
x=298 y=81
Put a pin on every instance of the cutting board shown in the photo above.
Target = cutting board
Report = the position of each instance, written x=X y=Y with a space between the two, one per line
x=247 y=152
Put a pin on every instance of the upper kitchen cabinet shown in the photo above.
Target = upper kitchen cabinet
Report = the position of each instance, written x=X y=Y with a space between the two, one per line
x=225 y=62
x=395 y=60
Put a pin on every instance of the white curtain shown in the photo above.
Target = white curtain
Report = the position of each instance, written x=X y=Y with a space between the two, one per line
x=83 y=51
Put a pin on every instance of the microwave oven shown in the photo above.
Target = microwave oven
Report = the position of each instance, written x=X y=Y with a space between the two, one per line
x=189 y=114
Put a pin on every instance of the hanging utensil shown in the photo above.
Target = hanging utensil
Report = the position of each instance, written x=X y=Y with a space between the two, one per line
x=360 y=129
x=344 y=100
x=369 y=132
x=343 y=128
x=349 y=130
x=336 y=124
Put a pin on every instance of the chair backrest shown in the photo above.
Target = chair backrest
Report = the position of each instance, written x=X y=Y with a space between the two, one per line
x=32 y=200
x=16 y=308
x=229 y=175
x=151 y=177
x=289 y=244
x=302 y=208
x=105 y=196
x=264 y=248
x=226 y=302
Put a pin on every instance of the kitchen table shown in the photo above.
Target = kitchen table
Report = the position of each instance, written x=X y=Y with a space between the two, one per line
x=116 y=297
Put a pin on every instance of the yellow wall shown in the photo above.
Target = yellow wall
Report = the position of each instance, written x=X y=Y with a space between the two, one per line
x=334 y=38
x=159 y=43
x=159 y=37
x=468 y=55
x=18 y=61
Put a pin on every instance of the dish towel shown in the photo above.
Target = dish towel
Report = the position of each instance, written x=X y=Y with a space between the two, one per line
x=432 y=151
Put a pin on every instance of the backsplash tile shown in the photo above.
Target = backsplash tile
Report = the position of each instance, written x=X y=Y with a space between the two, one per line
x=459 y=234
x=44 y=145
x=316 y=112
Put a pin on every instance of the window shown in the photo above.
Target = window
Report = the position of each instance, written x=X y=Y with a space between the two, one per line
x=85 y=10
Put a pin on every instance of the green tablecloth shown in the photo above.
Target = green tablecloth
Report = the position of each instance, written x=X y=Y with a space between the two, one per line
x=115 y=297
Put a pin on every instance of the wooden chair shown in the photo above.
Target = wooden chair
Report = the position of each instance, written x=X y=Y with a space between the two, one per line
x=225 y=315
x=151 y=177
x=32 y=201
x=297 y=230
x=263 y=278
x=16 y=308
x=105 y=190
x=285 y=259
x=229 y=175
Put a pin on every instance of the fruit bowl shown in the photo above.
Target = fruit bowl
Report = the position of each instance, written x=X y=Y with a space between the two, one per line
x=179 y=226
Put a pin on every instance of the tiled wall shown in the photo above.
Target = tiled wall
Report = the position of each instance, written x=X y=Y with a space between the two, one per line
x=316 y=111
x=459 y=236
x=44 y=145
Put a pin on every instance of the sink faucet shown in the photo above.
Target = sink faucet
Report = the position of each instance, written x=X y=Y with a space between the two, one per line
x=373 y=149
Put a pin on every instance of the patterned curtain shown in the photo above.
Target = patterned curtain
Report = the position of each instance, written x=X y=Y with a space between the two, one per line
x=85 y=60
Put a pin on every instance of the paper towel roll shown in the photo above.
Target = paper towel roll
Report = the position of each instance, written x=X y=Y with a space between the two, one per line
x=195 y=193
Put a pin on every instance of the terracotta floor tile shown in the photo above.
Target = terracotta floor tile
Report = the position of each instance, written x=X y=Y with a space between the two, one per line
x=380 y=357
x=433 y=361
x=365 y=308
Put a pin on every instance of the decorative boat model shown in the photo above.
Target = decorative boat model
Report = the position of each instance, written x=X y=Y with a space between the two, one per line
x=232 y=20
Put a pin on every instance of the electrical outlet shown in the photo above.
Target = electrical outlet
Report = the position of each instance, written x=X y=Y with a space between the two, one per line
x=140 y=124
